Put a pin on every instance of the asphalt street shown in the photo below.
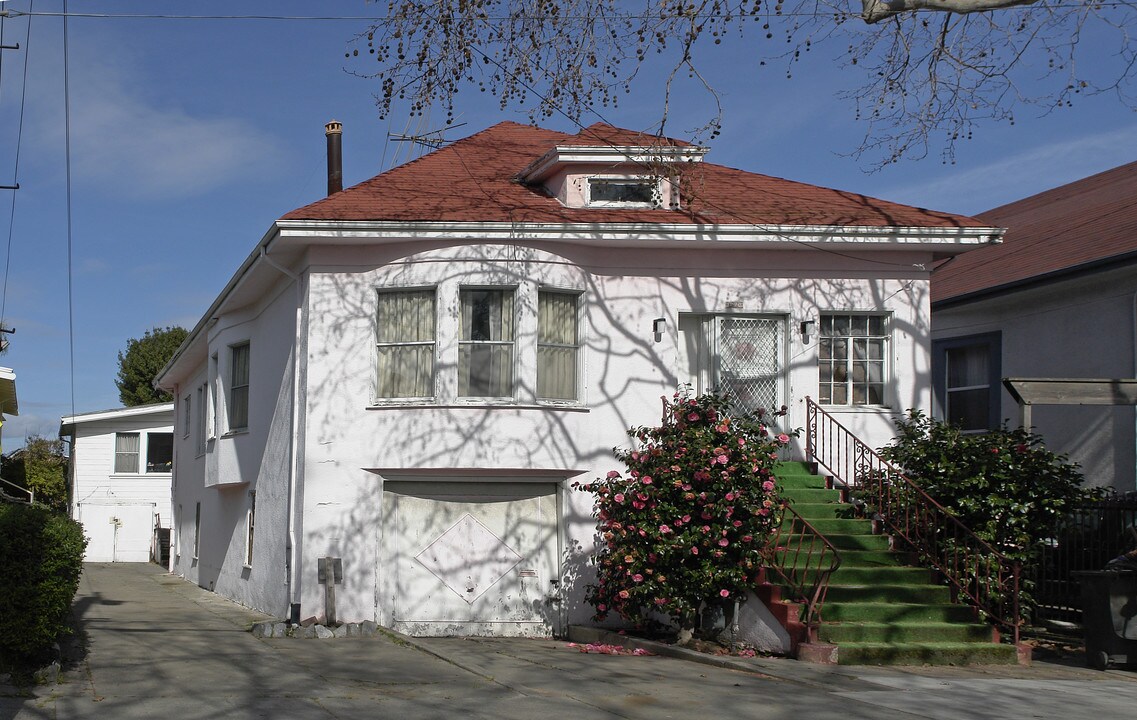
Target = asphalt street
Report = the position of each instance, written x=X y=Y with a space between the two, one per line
x=159 y=647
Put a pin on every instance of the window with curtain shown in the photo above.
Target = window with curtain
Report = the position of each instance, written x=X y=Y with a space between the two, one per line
x=851 y=359
x=126 y=452
x=965 y=380
x=405 y=344
x=485 y=343
x=558 y=346
x=239 y=387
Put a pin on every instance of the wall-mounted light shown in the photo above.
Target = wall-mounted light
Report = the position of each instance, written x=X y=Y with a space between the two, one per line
x=658 y=327
x=807 y=328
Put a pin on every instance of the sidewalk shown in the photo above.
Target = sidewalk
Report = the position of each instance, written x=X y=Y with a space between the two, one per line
x=160 y=647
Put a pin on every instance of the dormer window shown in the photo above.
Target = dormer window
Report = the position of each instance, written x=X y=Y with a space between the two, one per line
x=624 y=192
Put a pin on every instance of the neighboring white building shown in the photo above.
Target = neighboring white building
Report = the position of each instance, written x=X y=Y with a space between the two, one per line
x=408 y=375
x=1057 y=299
x=120 y=471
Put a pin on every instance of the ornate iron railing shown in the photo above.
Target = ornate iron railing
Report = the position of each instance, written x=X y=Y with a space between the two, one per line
x=977 y=572
x=802 y=560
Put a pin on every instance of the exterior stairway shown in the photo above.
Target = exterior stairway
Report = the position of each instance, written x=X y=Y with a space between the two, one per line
x=879 y=609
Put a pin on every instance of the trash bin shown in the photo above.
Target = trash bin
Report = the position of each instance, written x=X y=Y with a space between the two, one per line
x=1109 y=616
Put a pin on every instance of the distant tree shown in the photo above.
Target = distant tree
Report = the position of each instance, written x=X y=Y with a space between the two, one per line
x=40 y=466
x=922 y=73
x=140 y=364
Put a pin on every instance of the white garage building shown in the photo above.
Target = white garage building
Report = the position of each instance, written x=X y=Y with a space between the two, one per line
x=120 y=472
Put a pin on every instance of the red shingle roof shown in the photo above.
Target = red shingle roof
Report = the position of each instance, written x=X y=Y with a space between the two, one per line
x=1084 y=222
x=474 y=180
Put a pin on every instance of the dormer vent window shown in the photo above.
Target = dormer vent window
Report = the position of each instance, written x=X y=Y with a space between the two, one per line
x=624 y=192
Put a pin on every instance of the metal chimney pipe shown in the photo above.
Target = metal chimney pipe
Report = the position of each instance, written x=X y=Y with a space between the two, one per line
x=334 y=133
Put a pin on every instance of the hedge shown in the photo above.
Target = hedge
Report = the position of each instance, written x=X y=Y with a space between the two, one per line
x=41 y=557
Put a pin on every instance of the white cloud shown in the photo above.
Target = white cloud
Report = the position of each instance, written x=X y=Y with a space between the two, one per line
x=1022 y=174
x=131 y=137
x=157 y=151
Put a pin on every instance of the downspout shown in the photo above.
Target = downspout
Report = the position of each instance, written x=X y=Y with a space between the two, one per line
x=291 y=578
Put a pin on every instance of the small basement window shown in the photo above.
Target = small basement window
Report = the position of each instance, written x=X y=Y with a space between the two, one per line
x=634 y=192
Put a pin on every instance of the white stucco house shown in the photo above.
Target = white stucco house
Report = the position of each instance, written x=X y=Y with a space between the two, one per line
x=120 y=471
x=407 y=375
x=1056 y=300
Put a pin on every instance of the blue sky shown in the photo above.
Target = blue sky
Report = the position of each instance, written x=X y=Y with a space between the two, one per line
x=189 y=137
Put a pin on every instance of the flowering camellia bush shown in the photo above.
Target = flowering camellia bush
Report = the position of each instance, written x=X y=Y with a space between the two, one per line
x=685 y=524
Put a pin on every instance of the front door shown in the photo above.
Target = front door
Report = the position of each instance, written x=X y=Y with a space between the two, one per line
x=471 y=558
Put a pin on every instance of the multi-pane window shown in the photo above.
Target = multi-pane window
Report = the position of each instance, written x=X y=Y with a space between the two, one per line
x=851 y=359
x=558 y=346
x=485 y=343
x=127 y=447
x=159 y=452
x=405 y=342
x=239 y=387
x=637 y=192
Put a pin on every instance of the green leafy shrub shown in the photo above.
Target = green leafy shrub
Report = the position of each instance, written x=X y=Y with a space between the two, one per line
x=686 y=524
x=41 y=557
x=1004 y=485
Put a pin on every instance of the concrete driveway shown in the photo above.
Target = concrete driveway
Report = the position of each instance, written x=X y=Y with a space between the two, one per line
x=159 y=647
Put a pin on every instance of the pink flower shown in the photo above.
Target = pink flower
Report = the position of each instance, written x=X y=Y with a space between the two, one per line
x=737 y=523
x=613 y=474
x=768 y=485
x=783 y=438
x=706 y=528
x=724 y=542
x=619 y=497
x=646 y=480
x=692 y=417
x=686 y=518
x=624 y=594
x=747 y=538
x=694 y=551
x=638 y=578
x=664 y=529
x=660 y=601
x=729 y=496
x=722 y=459
x=724 y=593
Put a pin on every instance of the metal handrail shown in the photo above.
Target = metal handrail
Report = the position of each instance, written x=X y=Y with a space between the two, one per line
x=976 y=570
x=31 y=493
x=804 y=560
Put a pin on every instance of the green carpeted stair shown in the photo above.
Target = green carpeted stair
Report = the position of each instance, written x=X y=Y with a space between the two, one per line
x=879 y=610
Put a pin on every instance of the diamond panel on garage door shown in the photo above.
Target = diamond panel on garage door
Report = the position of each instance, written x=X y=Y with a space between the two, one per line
x=468 y=558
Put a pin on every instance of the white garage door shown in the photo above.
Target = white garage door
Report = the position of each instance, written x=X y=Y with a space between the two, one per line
x=463 y=558
x=117 y=533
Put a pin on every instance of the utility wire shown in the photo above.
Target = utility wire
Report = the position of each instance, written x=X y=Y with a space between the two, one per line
x=67 y=155
x=15 y=169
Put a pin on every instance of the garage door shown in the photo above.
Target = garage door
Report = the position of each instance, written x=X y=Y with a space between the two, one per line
x=466 y=558
x=117 y=533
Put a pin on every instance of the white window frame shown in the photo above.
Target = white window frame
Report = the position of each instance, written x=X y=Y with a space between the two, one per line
x=237 y=404
x=201 y=432
x=187 y=415
x=655 y=183
x=576 y=346
x=122 y=455
x=382 y=399
x=250 y=519
x=196 y=530
x=211 y=400
x=849 y=382
x=512 y=293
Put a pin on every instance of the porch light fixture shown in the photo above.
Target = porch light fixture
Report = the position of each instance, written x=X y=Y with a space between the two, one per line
x=807 y=328
x=658 y=326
